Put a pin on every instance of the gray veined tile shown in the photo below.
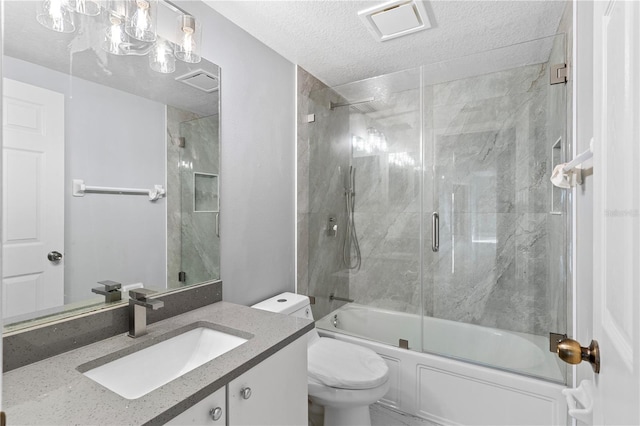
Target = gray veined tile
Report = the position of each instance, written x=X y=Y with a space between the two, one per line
x=486 y=141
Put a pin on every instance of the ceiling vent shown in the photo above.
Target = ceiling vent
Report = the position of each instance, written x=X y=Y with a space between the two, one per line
x=395 y=19
x=200 y=79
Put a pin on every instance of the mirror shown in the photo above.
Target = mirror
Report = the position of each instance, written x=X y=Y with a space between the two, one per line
x=110 y=168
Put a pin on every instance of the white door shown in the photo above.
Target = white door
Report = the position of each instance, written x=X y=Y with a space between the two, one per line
x=32 y=198
x=616 y=274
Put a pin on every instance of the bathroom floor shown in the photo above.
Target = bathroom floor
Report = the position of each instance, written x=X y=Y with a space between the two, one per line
x=383 y=416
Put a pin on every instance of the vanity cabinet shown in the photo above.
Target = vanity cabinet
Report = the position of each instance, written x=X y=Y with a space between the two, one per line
x=278 y=390
x=273 y=392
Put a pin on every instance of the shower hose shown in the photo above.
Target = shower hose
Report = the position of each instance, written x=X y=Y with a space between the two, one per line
x=351 y=237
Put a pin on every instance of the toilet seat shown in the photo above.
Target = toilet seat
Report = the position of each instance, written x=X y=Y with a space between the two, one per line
x=343 y=365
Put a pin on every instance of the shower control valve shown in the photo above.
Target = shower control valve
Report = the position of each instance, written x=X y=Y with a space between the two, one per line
x=332 y=226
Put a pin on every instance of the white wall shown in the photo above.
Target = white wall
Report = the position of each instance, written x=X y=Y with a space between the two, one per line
x=258 y=160
x=116 y=237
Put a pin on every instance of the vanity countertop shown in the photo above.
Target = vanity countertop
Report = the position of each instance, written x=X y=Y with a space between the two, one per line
x=53 y=391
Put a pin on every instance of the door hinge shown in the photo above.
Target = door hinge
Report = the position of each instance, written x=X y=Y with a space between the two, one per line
x=182 y=276
x=558 y=73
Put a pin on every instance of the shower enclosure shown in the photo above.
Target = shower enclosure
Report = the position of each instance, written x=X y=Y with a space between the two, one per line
x=453 y=209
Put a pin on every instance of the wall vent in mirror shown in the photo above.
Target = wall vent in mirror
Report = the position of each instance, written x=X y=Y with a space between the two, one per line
x=200 y=79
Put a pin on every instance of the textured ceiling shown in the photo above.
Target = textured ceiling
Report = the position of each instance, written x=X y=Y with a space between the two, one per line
x=328 y=39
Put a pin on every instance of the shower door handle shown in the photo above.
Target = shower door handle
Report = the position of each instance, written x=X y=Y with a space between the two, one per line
x=435 y=232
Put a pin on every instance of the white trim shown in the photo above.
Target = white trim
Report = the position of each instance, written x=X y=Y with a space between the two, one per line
x=295 y=179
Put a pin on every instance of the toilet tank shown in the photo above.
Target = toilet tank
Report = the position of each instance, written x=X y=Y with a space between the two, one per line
x=292 y=304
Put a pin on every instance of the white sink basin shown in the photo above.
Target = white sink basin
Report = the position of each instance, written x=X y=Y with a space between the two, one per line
x=139 y=373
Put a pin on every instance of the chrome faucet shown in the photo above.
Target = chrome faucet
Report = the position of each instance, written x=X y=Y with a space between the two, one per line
x=139 y=302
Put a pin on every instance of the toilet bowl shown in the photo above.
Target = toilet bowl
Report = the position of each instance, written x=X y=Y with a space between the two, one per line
x=342 y=377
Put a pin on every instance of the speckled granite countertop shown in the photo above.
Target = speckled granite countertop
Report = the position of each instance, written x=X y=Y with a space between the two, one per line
x=53 y=391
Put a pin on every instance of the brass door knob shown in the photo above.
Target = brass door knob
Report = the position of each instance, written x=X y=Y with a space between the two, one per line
x=571 y=352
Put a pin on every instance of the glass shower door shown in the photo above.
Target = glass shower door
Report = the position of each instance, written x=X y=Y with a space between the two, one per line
x=200 y=205
x=501 y=261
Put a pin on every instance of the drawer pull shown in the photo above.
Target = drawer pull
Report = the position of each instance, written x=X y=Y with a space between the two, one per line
x=245 y=392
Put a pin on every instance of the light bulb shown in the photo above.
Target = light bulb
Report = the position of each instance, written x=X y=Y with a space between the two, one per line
x=188 y=44
x=85 y=7
x=141 y=24
x=161 y=58
x=55 y=15
x=188 y=37
x=114 y=37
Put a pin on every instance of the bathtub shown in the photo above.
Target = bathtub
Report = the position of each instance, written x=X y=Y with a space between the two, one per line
x=451 y=383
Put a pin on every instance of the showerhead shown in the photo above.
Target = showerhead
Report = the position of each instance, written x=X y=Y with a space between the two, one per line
x=358 y=102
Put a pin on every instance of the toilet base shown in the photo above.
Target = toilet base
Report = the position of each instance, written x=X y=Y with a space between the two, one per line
x=347 y=416
x=343 y=407
x=316 y=414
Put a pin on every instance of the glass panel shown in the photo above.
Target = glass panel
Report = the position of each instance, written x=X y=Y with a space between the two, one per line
x=501 y=266
x=474 y=141
x=365 y=171
x=199 y=196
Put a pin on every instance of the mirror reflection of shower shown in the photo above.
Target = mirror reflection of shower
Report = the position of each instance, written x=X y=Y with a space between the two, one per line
x=351 y=236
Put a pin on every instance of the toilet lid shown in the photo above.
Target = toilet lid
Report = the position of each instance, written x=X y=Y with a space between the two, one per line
x=345 y=366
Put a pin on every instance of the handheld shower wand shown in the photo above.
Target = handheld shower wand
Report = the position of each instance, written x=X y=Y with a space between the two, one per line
x=351 y=237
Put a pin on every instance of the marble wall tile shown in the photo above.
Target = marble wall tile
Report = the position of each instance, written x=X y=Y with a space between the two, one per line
x=323 y=160
x=384 y=187
x=306 y=83
x=496 y=236
x=388 y=283
x=303 y=253
x=476 y=171
x=494 y=85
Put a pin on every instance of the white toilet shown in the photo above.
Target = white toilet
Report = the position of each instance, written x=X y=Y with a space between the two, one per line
x=343 y=378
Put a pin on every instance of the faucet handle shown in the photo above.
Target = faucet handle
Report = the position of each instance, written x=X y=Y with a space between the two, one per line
x=110 y=285
x=140 y=293
x=110 y=291
x=140 y=296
